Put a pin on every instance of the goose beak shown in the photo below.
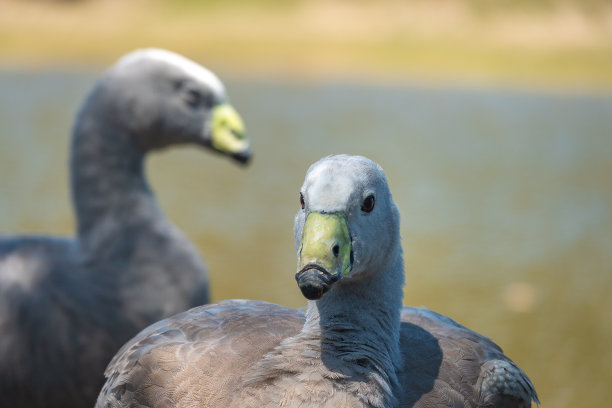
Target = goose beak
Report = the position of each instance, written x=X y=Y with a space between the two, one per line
x=325 y=255
x=228 y=133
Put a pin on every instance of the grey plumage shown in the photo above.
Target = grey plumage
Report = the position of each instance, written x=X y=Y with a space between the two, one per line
x=355 y=346
x=67 y=305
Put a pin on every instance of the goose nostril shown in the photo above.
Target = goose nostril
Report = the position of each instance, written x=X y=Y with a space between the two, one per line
x=336 y=250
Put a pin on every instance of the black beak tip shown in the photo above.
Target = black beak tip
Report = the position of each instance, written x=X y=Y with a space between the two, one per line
x=312 y=292
x=314 y=282
x=243 y=157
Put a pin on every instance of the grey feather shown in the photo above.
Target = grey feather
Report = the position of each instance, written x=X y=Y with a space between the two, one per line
x=355 y=346
x=67 y=305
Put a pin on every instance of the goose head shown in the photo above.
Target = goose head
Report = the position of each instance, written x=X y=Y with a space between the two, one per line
x=164 y=99
x=347 y=226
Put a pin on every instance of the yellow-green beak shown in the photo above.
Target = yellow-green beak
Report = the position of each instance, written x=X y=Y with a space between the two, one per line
x=325 y=254
x=228 y=133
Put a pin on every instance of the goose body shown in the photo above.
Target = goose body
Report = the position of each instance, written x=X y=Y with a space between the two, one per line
x=355 y=345
x=68 y=304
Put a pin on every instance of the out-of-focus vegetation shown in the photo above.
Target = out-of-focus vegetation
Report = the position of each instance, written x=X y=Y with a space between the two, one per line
x=544 y=42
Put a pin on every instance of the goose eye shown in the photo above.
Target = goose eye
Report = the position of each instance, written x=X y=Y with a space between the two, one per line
x=368 y=203
x=193 y=98
x=302 y=200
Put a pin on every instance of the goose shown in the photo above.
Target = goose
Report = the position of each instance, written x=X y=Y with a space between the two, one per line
x=354 y=346
x=67 y=305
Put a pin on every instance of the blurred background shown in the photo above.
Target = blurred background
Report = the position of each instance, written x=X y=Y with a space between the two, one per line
x=492 y=119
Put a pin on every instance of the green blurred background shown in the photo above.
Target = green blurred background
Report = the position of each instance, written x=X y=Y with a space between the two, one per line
x=492 y=119
x=535 y=42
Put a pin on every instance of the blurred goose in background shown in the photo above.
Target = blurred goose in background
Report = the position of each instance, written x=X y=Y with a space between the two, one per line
x=67 y=305
x=356 y=345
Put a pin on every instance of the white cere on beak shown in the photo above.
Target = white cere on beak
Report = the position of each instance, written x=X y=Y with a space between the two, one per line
x=188 y=66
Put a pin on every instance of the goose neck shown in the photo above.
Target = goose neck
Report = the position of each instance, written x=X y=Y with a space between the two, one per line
x=108 y=185
x=358 y=323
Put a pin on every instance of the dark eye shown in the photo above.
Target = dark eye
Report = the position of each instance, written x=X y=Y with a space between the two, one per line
x=368 y=203
x=302 y=200
x=193 y=98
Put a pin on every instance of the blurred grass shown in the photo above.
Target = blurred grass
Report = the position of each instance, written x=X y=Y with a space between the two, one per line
x=548 y=43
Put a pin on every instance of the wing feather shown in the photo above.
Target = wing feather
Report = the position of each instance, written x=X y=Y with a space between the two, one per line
x=199 y=355
x=448 y=365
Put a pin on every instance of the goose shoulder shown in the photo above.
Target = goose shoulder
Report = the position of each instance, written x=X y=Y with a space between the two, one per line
x=447 y=364
x=42 y=294
x=30 y=264
x=198 y=355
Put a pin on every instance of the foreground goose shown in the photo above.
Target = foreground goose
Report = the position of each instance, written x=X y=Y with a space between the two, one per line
x=67 y=305
x=355 y=346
